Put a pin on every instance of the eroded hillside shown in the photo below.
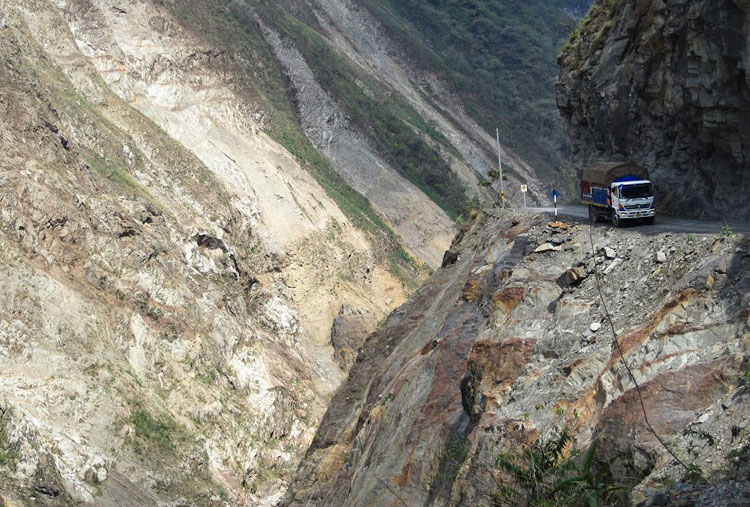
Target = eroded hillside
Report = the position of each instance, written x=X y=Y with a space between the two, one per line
x=205 y=208
x=168 y=293
x=374 y=92
x=507 y=353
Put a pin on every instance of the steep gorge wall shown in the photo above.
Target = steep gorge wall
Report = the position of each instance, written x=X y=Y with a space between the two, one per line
x=170 y=274
x=185 y=276
x=665 y=83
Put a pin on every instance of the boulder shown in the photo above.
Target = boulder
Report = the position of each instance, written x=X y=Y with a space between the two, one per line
x=547 y=247
x=558 y=225
x=572 y=277
x=348 y=332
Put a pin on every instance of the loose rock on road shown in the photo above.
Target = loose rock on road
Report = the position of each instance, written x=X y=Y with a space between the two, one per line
x=663 y=223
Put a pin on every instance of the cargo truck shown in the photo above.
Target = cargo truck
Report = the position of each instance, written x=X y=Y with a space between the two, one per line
x=617 y=191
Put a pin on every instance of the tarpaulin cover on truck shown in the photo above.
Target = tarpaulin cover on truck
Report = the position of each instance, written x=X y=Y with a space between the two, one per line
x=605 y=173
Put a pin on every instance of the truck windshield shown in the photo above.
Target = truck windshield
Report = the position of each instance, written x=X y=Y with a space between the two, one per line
x=641 y=191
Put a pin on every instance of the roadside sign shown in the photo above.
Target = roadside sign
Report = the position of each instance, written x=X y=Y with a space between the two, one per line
x=555 y=194
x=524 y=188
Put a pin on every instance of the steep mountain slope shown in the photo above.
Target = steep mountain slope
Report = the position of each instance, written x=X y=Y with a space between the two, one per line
x=665 y=84
x=498 y=58
x=470 y=392
x=369 y=98
x=166 y=302
x=205 y=207
x=368 y=134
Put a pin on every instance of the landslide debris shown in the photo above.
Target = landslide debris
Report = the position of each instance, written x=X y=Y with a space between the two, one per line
x=169 y=275
x=509 y=351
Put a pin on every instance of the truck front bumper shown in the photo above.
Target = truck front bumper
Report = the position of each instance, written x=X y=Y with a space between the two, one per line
x=645 y=213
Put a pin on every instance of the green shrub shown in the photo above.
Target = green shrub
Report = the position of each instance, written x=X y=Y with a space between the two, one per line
x=726 y=231
x=153 y=431
x=555 y=474
x=8 y=455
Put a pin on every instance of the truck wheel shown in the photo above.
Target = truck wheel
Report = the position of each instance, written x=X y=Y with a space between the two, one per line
x=592 y=214
x=616 y=222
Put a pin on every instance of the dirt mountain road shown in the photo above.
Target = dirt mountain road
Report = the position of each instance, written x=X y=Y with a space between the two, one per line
x=663 y=223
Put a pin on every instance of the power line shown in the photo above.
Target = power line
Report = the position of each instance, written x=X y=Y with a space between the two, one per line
x=622 y=356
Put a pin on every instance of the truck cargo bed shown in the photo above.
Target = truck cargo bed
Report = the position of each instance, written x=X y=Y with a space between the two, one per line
x=592 y=193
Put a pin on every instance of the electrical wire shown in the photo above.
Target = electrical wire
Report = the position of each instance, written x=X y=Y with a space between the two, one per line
x=622 y=356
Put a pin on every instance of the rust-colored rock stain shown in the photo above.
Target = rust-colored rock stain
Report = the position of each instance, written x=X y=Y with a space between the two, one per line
x=507 y=299
x=502 y=363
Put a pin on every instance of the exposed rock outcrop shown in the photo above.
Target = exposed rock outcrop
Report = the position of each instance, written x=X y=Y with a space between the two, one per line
x=349 y=331
x=493 y=357
x=664 y=83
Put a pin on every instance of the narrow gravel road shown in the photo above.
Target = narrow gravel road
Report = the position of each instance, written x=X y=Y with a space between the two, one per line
x=663 y=223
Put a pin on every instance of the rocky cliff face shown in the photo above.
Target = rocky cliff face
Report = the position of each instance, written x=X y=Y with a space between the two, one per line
x=508 y=348
x=664 y=83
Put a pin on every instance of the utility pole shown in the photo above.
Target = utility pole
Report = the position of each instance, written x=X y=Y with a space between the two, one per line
x=500 y=164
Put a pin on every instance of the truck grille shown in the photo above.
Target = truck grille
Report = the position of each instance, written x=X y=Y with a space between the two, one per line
x=638 y=206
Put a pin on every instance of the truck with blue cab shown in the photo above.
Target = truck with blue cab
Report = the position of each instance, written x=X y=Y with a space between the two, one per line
x=617 y=191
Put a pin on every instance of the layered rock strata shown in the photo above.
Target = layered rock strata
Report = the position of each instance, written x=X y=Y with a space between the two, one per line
x=505 y=349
